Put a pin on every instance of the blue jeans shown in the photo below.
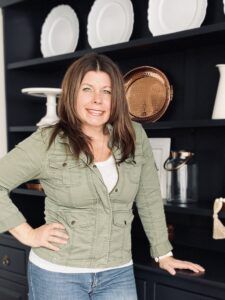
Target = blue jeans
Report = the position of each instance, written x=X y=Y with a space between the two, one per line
x=116 y=284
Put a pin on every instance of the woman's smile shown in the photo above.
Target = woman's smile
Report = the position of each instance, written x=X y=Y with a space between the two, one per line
x=95 y=112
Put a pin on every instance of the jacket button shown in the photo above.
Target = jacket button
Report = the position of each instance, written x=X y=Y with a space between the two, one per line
x=73 y=222
x=64 y=164
x=116 y=190
x=94 y=166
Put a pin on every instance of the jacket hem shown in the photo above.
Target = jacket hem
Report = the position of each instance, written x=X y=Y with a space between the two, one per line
x=102 y=262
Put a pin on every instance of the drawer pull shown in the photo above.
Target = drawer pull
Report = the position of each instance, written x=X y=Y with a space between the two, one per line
x=6 y=260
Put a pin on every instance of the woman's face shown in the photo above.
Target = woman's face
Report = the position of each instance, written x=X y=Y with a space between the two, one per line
x=94 y=99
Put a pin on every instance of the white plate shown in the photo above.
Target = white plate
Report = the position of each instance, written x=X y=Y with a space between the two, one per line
x=161 y=151
x=60 y=31
x=167 y=16
x=110 y=22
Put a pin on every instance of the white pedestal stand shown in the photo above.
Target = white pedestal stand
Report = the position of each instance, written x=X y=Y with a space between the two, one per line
x=51 y=117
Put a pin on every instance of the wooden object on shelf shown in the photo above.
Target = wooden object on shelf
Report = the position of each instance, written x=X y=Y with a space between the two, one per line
x=34 y=186
x=218 y=227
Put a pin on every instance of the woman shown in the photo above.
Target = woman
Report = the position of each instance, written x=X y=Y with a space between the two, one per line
x=92 y=165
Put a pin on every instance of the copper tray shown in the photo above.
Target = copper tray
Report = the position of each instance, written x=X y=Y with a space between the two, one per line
x=34 y=186
x=148 y=93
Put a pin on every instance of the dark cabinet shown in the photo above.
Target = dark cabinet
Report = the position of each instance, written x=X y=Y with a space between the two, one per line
x=11 y=291
x=13 y=269
x=164 y=292
x=142 y=286
x=154 y=284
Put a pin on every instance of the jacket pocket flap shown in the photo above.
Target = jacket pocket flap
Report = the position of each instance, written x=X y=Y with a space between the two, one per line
x=122 y=219
x=56 y=164
x=138 y=160
x=80 y=221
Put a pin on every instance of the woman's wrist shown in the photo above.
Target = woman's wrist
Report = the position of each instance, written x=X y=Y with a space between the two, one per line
x=22 y=233
x=157 y=259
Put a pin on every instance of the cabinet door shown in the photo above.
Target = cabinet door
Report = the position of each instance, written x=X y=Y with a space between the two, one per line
x=164 y=292
x=12 y=291
x=141 y=285
x=141 y=289
x=13 y=260
x=7 y=294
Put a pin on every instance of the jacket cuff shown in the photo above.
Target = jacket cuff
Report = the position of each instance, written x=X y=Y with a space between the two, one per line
x=157 y=259
x=160 y=250
x=11 y=222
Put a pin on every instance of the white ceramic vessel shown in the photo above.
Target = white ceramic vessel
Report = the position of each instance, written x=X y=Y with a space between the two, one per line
x=51 y=94
x=219 y=105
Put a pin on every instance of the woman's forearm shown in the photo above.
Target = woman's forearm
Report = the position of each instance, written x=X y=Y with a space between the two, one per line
x=22 y=233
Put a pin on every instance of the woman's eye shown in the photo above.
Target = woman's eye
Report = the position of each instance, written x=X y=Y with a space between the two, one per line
x=107 y=92
x=86 y=89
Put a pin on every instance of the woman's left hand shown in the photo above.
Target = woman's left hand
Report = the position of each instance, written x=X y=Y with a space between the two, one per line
x=170 y=264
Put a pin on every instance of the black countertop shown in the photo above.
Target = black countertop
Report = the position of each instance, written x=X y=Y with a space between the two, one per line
x=213 y=263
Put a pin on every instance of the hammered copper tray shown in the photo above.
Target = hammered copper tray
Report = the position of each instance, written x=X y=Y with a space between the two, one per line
x=148 y=93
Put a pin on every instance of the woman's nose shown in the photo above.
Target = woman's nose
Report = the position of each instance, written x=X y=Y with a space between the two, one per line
x=97 y=97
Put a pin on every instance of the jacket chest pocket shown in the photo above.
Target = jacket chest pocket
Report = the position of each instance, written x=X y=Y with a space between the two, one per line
x=65 y=172
x=132 y=169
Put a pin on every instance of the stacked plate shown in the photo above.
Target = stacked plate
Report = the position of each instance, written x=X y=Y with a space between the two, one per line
x=110 y=22
x=60 y=31
x=148 y=93
x=167 y=16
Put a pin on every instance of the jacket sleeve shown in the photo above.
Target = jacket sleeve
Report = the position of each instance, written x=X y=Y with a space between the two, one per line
x=21 y=164
x=149 y=202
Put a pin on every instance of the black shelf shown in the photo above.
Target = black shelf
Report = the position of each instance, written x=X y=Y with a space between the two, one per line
x=188 y=38
x=197 y=209
x=22 y=128
x=23 y=191
x=4 y=3
x=184 y=124
x=157 y=125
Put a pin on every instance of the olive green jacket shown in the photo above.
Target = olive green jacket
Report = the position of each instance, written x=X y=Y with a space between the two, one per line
x=98 y=223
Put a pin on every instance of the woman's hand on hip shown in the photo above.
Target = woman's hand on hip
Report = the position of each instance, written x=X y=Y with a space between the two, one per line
x=44 y=236
x=47 y=235
x=170 y=264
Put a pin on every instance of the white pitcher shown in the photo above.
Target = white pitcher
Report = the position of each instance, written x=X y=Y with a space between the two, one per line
x=219 y=105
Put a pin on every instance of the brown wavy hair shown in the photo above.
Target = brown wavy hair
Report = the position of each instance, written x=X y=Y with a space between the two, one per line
x=123 y=135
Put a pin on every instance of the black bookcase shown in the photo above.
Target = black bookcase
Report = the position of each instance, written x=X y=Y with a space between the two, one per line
x=188 y=58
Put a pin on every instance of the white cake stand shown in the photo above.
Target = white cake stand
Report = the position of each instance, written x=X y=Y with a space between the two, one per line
x=51 y=117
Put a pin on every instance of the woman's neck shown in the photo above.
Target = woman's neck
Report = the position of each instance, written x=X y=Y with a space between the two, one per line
x=95 y=133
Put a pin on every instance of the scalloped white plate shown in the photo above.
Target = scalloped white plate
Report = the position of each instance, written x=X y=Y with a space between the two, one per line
x=167 y=16
x=60 y=31
x=110 y=22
